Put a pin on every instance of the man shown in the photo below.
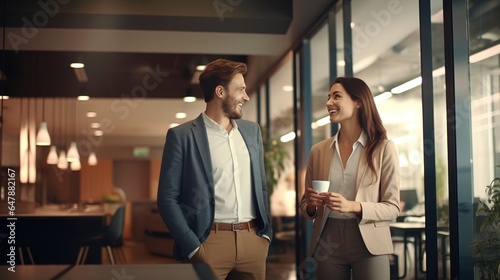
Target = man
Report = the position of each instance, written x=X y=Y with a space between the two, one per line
x=212 y=193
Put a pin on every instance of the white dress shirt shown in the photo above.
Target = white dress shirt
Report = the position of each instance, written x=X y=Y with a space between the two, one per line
x=234 y=200
x=343 y=180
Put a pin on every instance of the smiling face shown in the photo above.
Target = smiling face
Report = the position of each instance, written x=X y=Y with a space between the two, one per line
x=340 y=106
x=235 y=97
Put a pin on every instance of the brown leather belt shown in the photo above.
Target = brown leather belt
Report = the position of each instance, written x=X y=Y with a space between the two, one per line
x=234 y=226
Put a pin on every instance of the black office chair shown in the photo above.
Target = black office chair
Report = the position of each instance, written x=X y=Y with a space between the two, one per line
x=112 y=239
x=411 y=201
x=21 y=243
x=410 y=198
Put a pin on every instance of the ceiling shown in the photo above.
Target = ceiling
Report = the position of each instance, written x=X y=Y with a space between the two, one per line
x=150 y=75
x=139 y=60
x=122 y=42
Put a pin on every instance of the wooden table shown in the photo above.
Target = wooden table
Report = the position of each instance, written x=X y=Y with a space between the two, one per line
x=49 y=233
x=38 y=272
x=106 y=272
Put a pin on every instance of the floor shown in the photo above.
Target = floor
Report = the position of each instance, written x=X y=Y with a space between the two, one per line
x=280 y=262
x=280 y=266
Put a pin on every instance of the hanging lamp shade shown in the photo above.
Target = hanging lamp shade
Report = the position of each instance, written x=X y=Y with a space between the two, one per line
x=43 y=136
x=73 y=154
x=52 y=158
x=62 y=162
x=92 y=159
x=76 y=165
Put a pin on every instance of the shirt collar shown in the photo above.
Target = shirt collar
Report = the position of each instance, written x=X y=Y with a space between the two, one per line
x=214 y=125
x=362 y=139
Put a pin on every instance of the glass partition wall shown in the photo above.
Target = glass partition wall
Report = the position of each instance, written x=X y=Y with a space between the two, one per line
x=388 y=55
x=275 y=115
x=484 y=101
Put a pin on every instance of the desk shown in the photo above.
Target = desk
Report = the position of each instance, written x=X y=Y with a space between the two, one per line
x=52 y=230
x=106 y=272
x=39 y=272
x=415 y=230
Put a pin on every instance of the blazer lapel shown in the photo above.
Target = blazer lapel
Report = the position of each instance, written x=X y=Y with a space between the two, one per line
x=249 y=138
x=327 y=160
x=202 y=147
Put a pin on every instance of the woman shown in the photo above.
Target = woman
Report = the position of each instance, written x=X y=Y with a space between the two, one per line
x=351 y=234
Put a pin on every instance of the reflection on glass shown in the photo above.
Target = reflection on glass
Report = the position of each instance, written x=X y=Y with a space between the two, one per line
x=282 y=194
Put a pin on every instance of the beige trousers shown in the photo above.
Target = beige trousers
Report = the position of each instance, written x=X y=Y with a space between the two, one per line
x=243 y=253
x=342 y=254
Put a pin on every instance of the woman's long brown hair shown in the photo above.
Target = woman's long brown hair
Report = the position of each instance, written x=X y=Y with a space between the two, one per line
x=368 y=114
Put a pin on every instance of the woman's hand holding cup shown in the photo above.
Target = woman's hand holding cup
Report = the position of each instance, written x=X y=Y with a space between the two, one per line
x=314 y=195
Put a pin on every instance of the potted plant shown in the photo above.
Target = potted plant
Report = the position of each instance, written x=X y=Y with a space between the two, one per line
x=275 y=156
x=111 y=202
x=443 y=211
x=487 y=249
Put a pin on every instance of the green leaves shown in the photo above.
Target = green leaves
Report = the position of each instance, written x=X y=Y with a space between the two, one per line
x=487 y=248
x=275 y=157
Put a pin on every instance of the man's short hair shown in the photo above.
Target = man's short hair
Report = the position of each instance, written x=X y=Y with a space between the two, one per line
x=219 y=72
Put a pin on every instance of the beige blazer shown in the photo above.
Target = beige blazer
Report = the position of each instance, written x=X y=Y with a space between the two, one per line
x=379 y=196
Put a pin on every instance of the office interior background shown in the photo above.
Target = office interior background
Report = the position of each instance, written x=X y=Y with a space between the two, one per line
x=433 y=67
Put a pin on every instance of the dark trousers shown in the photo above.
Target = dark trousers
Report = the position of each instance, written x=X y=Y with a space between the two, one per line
x=341 y=252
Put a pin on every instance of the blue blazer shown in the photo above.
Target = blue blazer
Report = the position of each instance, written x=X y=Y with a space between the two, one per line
x=186 y=186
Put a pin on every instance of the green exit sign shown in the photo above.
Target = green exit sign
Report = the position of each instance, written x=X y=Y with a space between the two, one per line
x=141 y=152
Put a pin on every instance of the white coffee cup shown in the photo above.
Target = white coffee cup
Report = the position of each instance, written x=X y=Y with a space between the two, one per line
x=321 y=186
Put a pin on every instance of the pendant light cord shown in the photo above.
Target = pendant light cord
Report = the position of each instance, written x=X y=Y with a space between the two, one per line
x=43 y=108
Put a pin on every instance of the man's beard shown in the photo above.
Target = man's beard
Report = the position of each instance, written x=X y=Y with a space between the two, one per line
x=230 y=108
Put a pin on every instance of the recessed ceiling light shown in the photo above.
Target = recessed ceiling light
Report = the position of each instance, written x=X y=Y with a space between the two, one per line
x=287 y=137
x=91 y=114
x=189 y=99
x=77 y=65
x=484 y=54
x=383 y=96
x=83 y=97
x=287 y=88
x=95 y=125
x=180 y=115
x=98 y=133
x=407 y=86
x=200 y=67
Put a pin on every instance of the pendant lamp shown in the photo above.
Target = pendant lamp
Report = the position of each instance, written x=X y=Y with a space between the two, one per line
x=76 y=165
x=92 y=159
x=52 y=158
x=63 y=162
x=43 y=136
x=73 y=154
